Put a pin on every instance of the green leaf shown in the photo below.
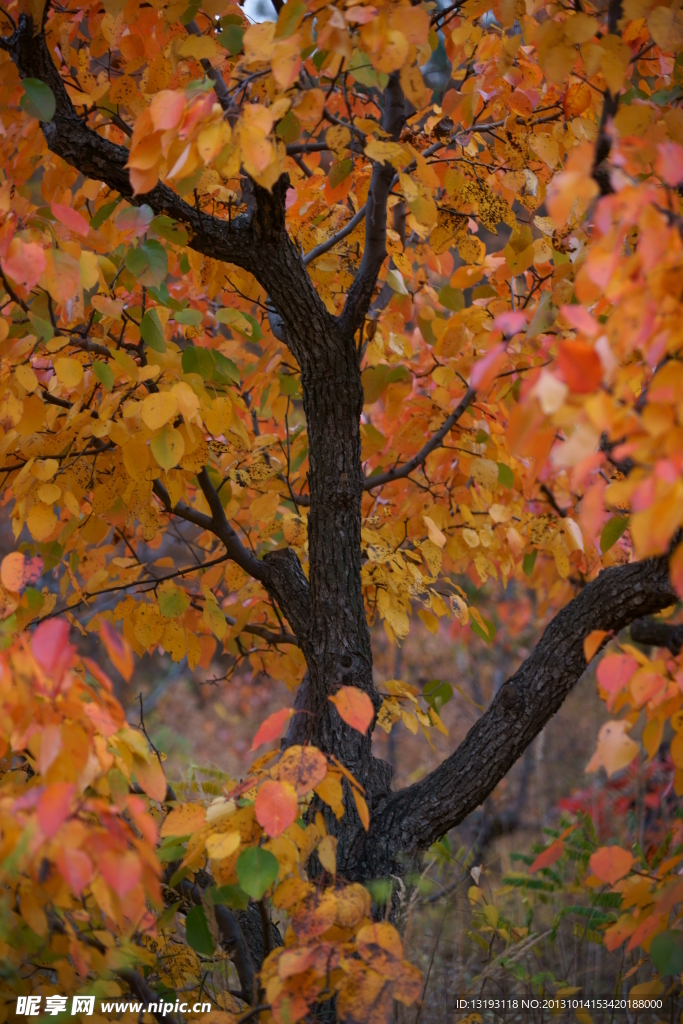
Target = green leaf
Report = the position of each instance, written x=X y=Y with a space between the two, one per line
x=224 y=368
x=230 y=896
x=544 y=317
x=452 y=298
x=104 y=374
x=437 y=692
x=173 y=601
x=167 y=446
x=289 y=128
x=152 y=332
x=666 y=952
x=198 y=360
x=289 y=384
x=505 y=475
x=169 y=229
x=104 y=212
x=38 y=100
x=528 y=563
x=166 y=918
x=231 y=38
x=256 y=871
x=612 y=531
x=290 y=17
x=339 y=171
x=157 y=261
x=490 y=633
x=189 y=316
x=197 y=931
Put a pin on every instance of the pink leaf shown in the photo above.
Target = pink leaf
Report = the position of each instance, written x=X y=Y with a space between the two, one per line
x=54 y=807
x=71 y=218
x=51 y=648
x=75 y=867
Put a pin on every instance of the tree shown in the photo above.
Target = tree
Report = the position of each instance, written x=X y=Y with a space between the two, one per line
x=252 y=285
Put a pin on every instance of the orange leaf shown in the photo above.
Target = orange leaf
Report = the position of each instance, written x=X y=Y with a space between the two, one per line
x=183 y=820
x=676 y=570
x=271 y=728
x=354 y=707
x=118 y=649
x=580 y=365
x=610 y=863
x=150 y=776
x=303 y=768
x=276 y=807
x=12 y=571
x=591 y=644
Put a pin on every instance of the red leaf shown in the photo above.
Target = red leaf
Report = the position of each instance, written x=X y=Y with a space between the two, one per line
x=610 y=863
x=276 y=807
x=54 y=807
x=51 y=648
x=615 y=671
x=122 y=873
x=118 y=649
x=271 y=728
x=548 y=856
x=354 y=707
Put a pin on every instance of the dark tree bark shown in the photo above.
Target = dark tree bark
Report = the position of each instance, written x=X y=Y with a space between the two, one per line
x=326 y=612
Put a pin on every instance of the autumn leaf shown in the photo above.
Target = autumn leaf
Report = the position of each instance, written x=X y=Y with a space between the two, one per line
x=354 y=707
x=118 y=649
x=276 y=807
x=271 y=727
x=610 y=863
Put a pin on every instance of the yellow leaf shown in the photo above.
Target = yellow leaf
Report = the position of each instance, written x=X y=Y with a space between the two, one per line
x=41 y=522
x=330 y=790
x=666 y=27
x=159 y=408
x=199 y=47
x=435 y=534
x=69 y=372
x=26 y=377
x=222 y=845
x=327 y=854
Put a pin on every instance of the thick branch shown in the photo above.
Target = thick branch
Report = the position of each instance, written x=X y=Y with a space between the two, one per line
x=652 y=633
x=360 y=293
x=415 y=817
